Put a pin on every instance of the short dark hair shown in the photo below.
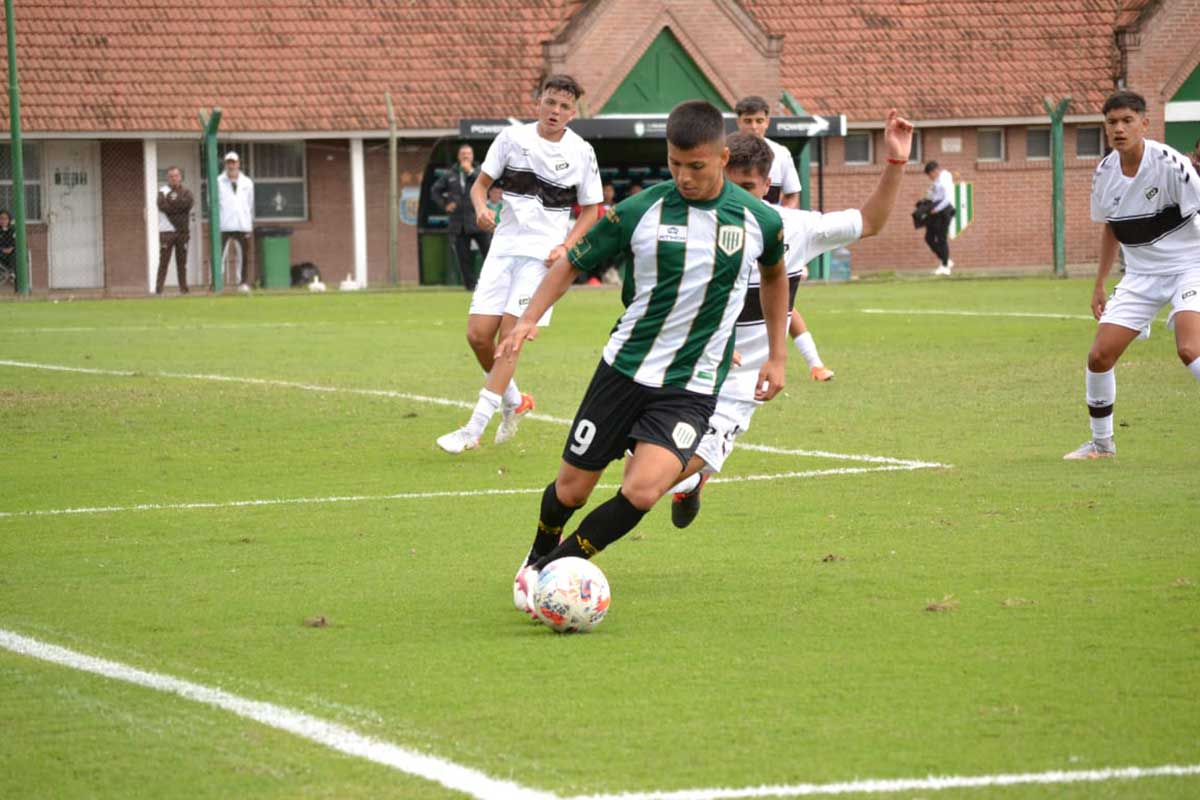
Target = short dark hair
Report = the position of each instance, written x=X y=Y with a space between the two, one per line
x=747 y=151
x=5 y=212
x=563 y=83
x=1125 y=99
x=930 y=167
x=693 y=123
x=173 y=168
x=752 y=105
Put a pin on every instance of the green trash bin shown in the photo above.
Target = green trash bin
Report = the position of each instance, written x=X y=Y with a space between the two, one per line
x=275 y=257
x=434 y=257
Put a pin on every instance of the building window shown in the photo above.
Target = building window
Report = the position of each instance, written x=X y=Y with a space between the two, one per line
x=32 y=153
x=1037 y=143
x=858 y=148
x=1089 y=141
x=279 y=171
x=914 y=152
x=990 y=144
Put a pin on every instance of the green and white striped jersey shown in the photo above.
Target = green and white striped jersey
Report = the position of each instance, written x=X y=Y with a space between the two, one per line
x=686 y=273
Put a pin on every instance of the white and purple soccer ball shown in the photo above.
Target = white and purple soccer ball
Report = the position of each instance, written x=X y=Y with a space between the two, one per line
x=572 y=595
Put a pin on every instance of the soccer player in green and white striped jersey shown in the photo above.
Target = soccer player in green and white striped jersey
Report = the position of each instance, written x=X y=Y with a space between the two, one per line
x=693 y=241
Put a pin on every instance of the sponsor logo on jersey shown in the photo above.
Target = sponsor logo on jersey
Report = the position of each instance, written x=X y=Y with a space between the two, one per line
x=729 y=239
x=1153 y=190
x=612 y=216
x=560 y=166
x=672 y=233
x=684 y=435
x=1188 y=294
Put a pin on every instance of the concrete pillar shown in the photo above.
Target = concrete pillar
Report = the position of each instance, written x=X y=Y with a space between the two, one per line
x=358 y=189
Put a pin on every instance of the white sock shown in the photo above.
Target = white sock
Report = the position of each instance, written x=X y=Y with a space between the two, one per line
x=1101 y=394
x=512 y=395
x=1195 y=368
x=685 y=485
x=489 y=403
x=808 y=349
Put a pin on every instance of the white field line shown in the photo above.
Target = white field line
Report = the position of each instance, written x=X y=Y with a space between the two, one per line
x=950 y=313
x=330 y=734
x=933 y=783
x=375 y=498
x=478 y=785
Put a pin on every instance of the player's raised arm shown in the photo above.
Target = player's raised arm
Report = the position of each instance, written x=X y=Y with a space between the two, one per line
x=897 y=139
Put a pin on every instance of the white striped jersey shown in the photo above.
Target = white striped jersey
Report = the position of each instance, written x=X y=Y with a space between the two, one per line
x=1155 y=215
x=806 y=234
x=684 y=282
x=541 y=180
x=783 y=176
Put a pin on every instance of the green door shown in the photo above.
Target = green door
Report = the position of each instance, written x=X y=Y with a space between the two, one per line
x=664 y=76
x=1182 y=134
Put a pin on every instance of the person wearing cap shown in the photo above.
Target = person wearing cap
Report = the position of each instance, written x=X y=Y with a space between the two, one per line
x=236 y=193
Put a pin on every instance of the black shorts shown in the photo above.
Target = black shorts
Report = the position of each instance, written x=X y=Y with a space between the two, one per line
x=616 y=413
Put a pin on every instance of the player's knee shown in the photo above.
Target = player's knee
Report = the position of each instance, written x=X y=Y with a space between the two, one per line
x=642 y=498
x=1100 y=361
x=478 y=338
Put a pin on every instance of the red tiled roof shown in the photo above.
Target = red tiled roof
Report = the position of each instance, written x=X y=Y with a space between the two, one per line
x=324 y=65
x=275 y=65
x=943 y=59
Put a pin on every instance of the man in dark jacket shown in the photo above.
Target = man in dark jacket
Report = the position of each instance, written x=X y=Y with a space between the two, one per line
x=452 y=192
x=174 y=218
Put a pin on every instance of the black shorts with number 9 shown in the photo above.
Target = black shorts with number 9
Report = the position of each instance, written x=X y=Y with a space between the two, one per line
x=616 y=413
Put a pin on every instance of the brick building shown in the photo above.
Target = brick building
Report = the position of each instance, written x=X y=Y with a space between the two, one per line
x=111 y=94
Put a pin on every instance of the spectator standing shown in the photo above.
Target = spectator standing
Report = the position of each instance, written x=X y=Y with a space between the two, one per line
x=236 y=192
x=937 y=228
x=8 y=249
x=174 y=229
x=452 y=192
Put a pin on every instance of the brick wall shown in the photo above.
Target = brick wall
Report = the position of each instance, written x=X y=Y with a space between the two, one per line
x=1013 y=226
x=1161 y=55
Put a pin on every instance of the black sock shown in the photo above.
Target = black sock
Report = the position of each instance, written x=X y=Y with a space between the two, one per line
x=607 y=523
x=554 y=515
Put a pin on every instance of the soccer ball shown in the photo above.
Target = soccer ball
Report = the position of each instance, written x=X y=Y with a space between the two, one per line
x=571 y=595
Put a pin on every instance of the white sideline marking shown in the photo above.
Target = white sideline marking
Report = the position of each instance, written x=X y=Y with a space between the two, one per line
x=478 y=785
x=933 y=783
x=949 y=313
x=892 y=464
x=308 y=387
x=367 y=498
x=330 y=734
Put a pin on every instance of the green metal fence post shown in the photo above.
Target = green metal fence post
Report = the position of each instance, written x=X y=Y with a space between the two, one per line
x=1056 y=113
x=212 y=171
x=18 y=156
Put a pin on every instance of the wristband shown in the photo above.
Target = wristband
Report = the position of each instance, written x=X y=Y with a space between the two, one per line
x=900 y=161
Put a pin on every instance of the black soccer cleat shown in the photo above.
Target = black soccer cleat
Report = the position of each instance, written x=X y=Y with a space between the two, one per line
x=686 y=505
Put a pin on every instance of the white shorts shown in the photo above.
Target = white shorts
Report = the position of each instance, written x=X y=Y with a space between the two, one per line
x=1137 y=299
x=729 y=420
x=506 y=283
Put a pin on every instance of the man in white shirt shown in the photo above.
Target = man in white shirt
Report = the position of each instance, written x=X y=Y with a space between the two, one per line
x=1148 y=197
x=807 y=234
x=753 y=118
x=937 y=228
x=544 y=169
x=236 y=194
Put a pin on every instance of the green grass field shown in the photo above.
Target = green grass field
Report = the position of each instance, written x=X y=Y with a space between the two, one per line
x=785 y=638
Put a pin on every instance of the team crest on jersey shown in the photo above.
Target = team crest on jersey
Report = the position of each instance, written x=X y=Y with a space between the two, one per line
x=1153 y=190
x=612 y=216
x=684 y=435
x=729 y=239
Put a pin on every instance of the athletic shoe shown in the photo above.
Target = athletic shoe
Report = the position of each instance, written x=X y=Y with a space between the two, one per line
x=244 y=288
x=821 y=373
x=943 y=269
x=458 y=441
x=520 y=600
x=510 y=418
x=1097 y=448
x=523 y=587
x=686 y=505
